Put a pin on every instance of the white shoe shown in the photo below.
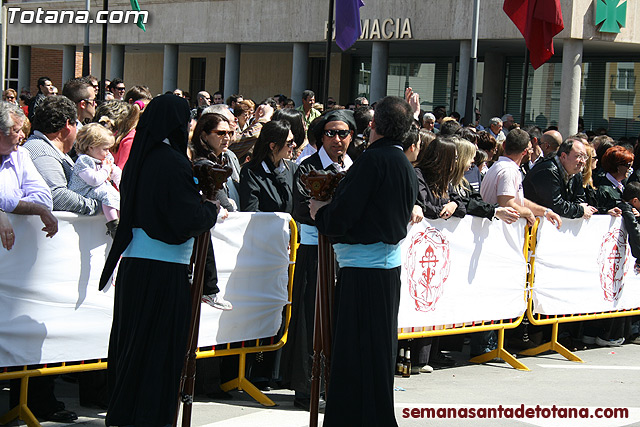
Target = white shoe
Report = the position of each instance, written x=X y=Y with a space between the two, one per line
x=217 y=301
x=636 y=340
x=609 y=343
x=426 y=369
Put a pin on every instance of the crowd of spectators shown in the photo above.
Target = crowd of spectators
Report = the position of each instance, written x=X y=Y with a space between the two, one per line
x=501 y=172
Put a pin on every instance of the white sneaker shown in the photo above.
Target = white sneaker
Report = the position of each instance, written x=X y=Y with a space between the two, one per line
x=609 y=343
x=636 y=340
x=216 y=301
x=426 y=369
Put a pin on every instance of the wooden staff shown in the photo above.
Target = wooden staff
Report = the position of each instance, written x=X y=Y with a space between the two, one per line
x=210 y=178
x=321 y=186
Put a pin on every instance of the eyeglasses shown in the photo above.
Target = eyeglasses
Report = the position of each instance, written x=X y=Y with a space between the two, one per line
x=582 y=157
x=290 y=143
x=90 y=101
x=223 y=133
x=628 y=165
x=11 y=97
x=342 y=133
x=120 y=88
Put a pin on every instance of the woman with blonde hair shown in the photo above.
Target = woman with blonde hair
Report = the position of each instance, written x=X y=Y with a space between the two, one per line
x=472 y=200
x=10 y=95
x=121 y=118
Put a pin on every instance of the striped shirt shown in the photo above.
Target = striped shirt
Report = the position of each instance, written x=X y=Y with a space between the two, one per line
x=55 y=167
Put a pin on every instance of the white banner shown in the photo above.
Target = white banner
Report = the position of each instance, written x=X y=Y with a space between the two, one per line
x=462 y=270
x=584 y=267
x=51 y=309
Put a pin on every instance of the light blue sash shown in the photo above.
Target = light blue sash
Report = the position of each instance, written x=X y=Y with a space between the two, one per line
x=308 y=235
x=376 y=255
x=143 y=246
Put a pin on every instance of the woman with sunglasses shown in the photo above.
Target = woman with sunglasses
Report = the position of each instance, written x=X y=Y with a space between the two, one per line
x=10 y=95
x=210 y=140
x=266 y=181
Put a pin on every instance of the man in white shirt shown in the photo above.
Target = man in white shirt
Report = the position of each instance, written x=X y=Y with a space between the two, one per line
x=503 y=182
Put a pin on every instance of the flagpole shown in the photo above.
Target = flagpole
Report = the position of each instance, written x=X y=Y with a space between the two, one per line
x=470 y=104
x=325 y=89
x=103 y=64
x=86 y=52
x=3 y=48
x=525 y=80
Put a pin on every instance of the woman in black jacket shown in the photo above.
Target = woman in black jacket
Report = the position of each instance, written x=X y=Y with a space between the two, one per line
x=435 y=172
x=266 y=181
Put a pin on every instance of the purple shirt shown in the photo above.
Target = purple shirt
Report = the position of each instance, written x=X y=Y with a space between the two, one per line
x=20 y=180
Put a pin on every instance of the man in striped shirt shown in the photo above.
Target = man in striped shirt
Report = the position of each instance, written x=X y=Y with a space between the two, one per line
x=54 y=124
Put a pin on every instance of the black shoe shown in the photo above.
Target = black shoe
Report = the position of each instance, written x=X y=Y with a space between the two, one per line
x=61 y=416
x=262 y=385
x=441 y=360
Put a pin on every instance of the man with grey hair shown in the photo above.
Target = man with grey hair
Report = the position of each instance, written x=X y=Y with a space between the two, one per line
x=429 y=121
x=507 y=123
x=22 y=189
x=495 y=129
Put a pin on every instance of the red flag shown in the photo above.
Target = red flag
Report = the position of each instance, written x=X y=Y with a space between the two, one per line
x=538 y=21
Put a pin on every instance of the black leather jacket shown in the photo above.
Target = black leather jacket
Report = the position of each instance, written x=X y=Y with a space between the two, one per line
x=545 y=186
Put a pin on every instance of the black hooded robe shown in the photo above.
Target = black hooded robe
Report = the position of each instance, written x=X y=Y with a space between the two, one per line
x=152 y=298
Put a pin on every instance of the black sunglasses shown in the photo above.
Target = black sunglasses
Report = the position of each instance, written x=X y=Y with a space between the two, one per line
x=223 y=133
x=342 y=133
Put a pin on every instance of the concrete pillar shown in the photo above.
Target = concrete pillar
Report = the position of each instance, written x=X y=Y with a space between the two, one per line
x=570 y=87
x=232 y=70
x=492 y=87
x=68 y=64
x=170 y=68
x=379 y=70
x=117 y=62
x=299 y=71
x=463 y=75
x=24 y=69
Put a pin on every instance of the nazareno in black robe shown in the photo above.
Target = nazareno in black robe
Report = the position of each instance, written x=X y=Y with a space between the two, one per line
x=372 y=204
x=152 y=303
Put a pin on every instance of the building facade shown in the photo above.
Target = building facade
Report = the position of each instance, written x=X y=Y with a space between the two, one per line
x=261 y=48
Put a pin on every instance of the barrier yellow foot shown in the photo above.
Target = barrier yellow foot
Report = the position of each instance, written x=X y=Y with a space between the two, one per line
x=553 y=345
x=21 y=412
x=247 y=386
x=501 y=354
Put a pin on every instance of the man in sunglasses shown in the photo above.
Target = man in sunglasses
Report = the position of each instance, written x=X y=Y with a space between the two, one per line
x=83 y=94
x=365 y=221
x=334 y=132
x=117 y=88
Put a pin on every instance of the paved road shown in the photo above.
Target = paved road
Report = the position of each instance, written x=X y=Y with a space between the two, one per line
x=610 y=377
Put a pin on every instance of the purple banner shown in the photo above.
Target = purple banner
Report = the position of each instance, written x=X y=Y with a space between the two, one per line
x=348 y=27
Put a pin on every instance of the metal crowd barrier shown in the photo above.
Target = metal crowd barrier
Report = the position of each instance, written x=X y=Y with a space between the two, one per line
x=241 y=382
x=22 y=411
x=555 y=320
x=499 y=325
